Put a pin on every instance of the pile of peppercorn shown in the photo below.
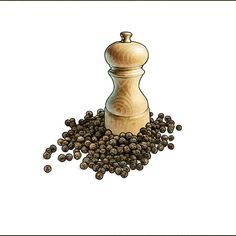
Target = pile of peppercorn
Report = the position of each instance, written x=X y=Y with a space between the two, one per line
x=106 y=152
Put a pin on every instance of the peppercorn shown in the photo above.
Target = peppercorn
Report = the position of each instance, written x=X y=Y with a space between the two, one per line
x=69 y=157
x=139 y=166
x=87 y=143
x=71 y=146
x=106 y=167
x=95 y=167
x=101 y=114
x=102 y=170
x=154 y=150
x=162 y=129
x=126 y=149
x=105 y=138
x=78 y=145
x=122 y=164
x=80 y=139
x=122 y=140
x=60 y=141
x=118 y=170
x=113 y=151
x=99 y=175
x=46 y=155
x=84 y=149
x=89 y=113
x=61 y=158
x=83 y=165
x=92 y=146
x=164 y=143
x=144 y=161
x=164 y=137
x=126 y=168
x=124 y=174
x=161 y=115
x=99 y=111
x=77 y=155
x=128 y=135
x=143 y=130
x=113 y=142
x=170 y=130
x=132 y=146
x=171 y=146
x=111 y=169
x=47 y=168
x=65 y=148
x=178 y=127
x=160 y=147
x=132 y=166
x=167 y=118
x=171 y=138
x=147 y=155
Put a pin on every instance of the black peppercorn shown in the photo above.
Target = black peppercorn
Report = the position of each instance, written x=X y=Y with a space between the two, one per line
x=139 y=166
x=60 y=141
x=171 y=137
x=48 y=150
x=106 y=167
x=111 y=169
x=87 y=143
x=128 y=135
x=69 y=157
x=84 y=149
x=80 y=139
x=92 y=146
x=167 y=118
x=178 y=127
x=61 y=158
x=164 y=143
x=99 y=175
x=126 y=168
x=46 y=155
x=154 y=150
x=171 y=146
x=113 y=151
x=118 y=170
x=126 y=149
x=144 y=161
x=78 y=145
x=77 y=155
x=161 y=115
x=95 y=167
x=47 y=168
x=124 y=174
x=162 y=129
x=132 y=146
x=160 y=147
x=102 y=170
x=83 y=165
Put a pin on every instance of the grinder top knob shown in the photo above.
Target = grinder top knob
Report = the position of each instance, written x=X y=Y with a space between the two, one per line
x=126 y=53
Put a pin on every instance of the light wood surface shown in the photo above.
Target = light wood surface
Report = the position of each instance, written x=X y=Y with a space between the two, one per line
x=126 y=109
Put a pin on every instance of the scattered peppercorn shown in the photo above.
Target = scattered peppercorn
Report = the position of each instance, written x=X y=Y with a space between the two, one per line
x=69 y=157
x=46 y=155
x=61 y=157
x=47 y=168
x=171 y=146
x=178 y=127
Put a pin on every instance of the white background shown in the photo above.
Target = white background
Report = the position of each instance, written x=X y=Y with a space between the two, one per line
x=52 y=67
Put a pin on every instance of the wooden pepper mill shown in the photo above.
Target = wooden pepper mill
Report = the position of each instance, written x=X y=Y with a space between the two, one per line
x=126 y=109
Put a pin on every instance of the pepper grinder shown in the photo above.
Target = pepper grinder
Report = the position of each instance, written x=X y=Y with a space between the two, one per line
x=126 y=109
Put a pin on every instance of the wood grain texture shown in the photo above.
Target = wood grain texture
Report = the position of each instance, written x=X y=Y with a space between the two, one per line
x=126 y=109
